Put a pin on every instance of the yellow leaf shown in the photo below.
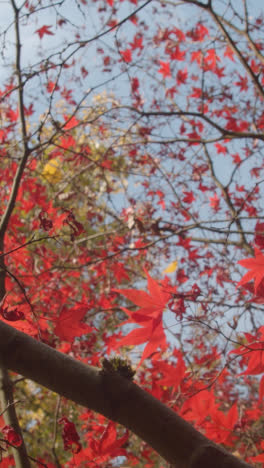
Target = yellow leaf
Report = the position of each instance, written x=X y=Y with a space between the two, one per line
x=171 y=267
x=51 y=171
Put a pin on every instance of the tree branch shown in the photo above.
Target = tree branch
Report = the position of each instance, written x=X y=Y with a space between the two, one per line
x=115 y=397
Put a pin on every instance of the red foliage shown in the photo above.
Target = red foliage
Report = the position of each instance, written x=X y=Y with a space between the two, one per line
x=70 y=436
x=11 y=436
x=164 y=167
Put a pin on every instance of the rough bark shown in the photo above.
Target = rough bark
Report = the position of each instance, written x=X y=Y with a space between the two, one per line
x=115 y=397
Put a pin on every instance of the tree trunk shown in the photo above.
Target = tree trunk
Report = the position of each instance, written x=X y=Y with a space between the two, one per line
x=115 y=397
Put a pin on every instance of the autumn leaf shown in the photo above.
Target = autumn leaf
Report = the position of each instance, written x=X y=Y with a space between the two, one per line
x=188 y=197
x=171 y=267
x=253 y=353
x=51 y=171
x=256 y=267
x=153 y=303
x=109 y=443
x=149 y=316
x=126 y=55
x=69 y=323
x=165 y=69
x=106 y=447
x=152 y=333
x=70 y=436
x=259 y=234
x=24 y=326
x=11 y=436
x=44 y=30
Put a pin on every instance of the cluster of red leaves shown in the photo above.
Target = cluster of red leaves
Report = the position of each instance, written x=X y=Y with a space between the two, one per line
x=169 y=381
x=70 y=436
x=11 y=436
x=252 y=351
x=109 y=445
x=12 y=315
x=76 y=227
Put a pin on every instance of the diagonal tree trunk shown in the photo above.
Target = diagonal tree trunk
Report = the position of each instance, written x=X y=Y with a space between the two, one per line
x=115 y=397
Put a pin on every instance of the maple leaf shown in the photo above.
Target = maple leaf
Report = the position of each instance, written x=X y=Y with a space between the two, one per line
x=255 y=357
x=196 y=56
x=229 y=53
x=69 y=323
x=109 y=444
x=171 y=267
x=220 y=428
x=126 y=55
x=134 y=84
x=189 y=197
x=165 y=69
x=172 y=375
x=197 y=407
x=242 y=83
x=259 y=234
x=71 y=122
x=177 y=54
x=44 y=30
x=259 y=458
x=215 y=202
x=52 y=86
x=137 y=42
x=211 y=58
x=153 y=303
x=149 y=317
x=256 y=267
x=24 y=326
x=182 y=76
x=70 y=436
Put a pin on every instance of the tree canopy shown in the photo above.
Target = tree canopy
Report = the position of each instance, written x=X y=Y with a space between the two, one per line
x=131 y=233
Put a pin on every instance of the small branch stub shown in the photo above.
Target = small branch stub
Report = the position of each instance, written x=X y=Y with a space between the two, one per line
x=119 y=365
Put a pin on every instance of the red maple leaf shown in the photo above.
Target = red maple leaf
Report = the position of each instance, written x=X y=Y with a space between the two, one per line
x=188 y=197
x=149 y=316
x=211 y=58
x=229 y=53
x=151 y=304
x=259 y=458
x=256 y=267
x=107 y=446
x=220 y=428
x=152 y=333
x=109 y=443
x=182 y=76
x=44 y=30
x=172 y=375
x=69 y=323
x=126 y=55
x=177 y=54
x=165 y=69
x=70 y=436
x=215 y=202
x=137 y=42
x=259 y=234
